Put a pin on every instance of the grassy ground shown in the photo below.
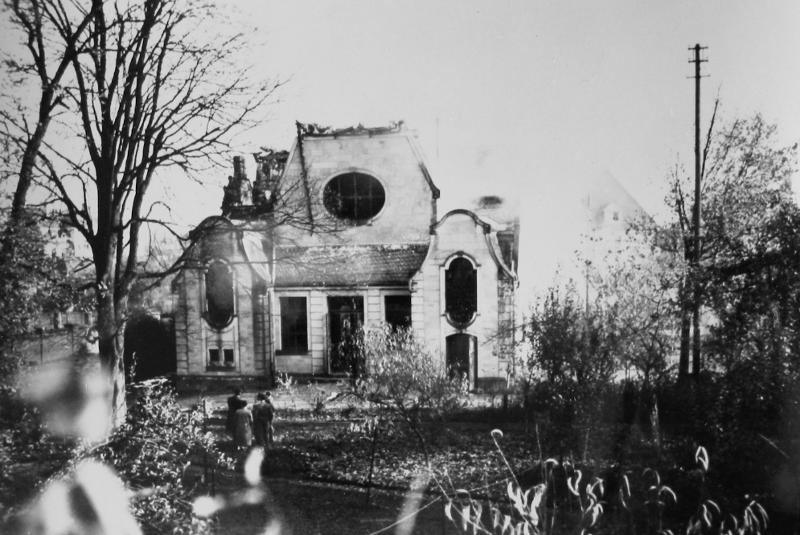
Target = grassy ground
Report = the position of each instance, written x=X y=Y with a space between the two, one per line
x=324 y=459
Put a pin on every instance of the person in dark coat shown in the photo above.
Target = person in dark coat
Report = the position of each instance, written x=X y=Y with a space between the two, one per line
x=234 y=402
x=243 y=426
x=263 y=414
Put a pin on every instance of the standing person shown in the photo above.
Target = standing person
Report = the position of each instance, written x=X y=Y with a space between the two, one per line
x=243 y=426
x=263 y=413
x=233 y=403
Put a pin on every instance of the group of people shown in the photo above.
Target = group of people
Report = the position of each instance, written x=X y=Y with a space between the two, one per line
x=248 y=426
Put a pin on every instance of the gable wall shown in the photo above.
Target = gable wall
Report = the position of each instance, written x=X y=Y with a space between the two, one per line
x=408 y=212
x=460 y=234
x=244 y=334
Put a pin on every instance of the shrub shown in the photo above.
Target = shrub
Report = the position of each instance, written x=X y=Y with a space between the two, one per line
x=152 y=453
x=592 y=504
x=405 y=378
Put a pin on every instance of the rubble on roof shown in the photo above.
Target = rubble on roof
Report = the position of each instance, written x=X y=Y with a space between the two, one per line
x=315 y=130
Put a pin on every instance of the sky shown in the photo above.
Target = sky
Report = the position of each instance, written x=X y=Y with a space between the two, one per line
x=532 y=100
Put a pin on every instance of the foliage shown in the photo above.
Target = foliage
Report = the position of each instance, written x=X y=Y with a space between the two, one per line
x=639 y=506
x=151 y=454
x=404 y=375
x=745 y=199
x=570 y=341
x=36 y=281
x=636 y=287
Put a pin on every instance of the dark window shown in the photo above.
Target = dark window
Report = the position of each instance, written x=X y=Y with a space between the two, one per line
x=354 y=197
x=219 y=295
x=398 y=311
x=213 y=356
x=228 y=356
x=294 y=332
x=461 y=292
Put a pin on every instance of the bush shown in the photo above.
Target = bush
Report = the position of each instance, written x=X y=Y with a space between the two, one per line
x=404 y=375
x=407 y=379
x=152 y=453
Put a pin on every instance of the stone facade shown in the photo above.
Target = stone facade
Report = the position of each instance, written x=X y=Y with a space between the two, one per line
x=341 y=232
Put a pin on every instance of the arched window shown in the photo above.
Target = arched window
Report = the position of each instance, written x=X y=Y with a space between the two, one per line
x=461 y=292
x=219 y=295
x=354 y=197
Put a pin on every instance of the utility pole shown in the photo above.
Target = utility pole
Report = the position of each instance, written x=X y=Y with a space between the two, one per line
x=695 y=259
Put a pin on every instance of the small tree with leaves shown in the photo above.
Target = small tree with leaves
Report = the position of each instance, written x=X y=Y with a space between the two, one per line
x=403 y=376
x=745 y=184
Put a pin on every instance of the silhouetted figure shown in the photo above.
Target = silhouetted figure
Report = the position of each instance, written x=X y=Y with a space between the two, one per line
x=234 y=402
x=243 y=426
x=263 y=414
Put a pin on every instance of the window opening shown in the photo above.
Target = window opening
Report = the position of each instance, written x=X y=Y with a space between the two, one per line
x=228 y=356
x=461 y=355
x=398 y=311
x=354 y=197
x=461 y=292
x=294 y=325
x=213 y=356
x=219 y=295
x=345 y=320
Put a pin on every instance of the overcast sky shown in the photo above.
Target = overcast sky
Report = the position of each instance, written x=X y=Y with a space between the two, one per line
x=530 y=99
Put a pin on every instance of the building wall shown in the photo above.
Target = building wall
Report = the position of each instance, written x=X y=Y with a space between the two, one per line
x=315 y=362
x=248 y=332
x=407 y=213
x=459 y=234
x=407 y=217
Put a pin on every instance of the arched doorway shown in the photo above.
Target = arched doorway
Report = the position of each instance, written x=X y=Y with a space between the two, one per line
x=461 y=356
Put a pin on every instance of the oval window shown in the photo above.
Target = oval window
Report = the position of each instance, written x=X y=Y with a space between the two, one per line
x=461 y=292
x=354 y=197
x=219 y=295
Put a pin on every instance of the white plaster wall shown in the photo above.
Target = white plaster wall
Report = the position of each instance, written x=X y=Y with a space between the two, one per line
x=460 y=234
x=407 y=214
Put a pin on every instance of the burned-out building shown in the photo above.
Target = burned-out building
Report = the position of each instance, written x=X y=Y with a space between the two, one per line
x=339 y=232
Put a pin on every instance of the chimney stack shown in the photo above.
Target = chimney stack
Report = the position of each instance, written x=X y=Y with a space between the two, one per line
x=238 y=167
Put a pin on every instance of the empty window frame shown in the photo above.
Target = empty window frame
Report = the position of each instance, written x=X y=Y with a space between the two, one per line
x=354 y=197
x=294 y=325
x=219 y=357
x=397 y=311
x=219 y=294
x=461 y=292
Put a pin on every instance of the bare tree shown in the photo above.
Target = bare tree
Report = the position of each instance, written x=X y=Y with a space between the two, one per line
x=149 y=90
x=51 y=38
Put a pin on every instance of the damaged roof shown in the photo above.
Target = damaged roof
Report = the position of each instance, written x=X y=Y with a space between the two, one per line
x=348 y=265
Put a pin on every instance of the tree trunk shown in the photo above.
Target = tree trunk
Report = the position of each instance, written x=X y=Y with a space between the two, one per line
x=17 y=214
x=683 y=363
x=110 y=329
x=696 y=340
